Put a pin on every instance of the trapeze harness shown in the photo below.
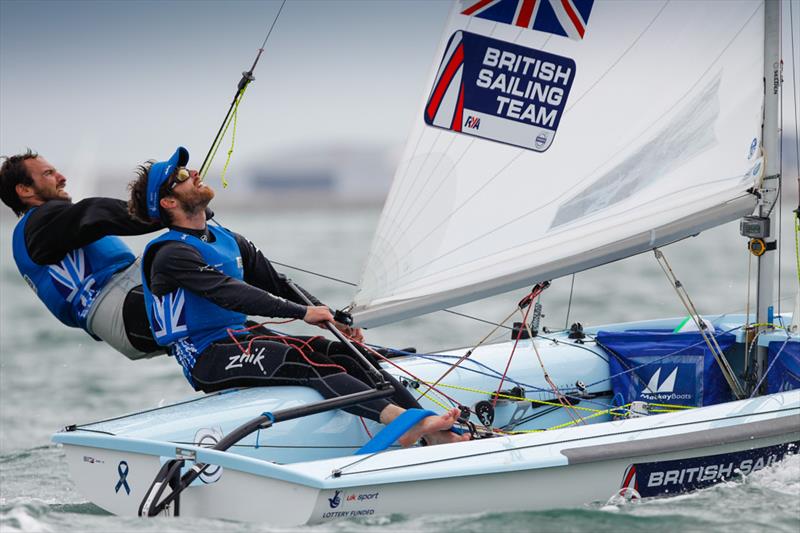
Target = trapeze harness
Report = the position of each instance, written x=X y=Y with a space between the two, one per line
x=87 y=289
x=182 y=320
x=207 y=339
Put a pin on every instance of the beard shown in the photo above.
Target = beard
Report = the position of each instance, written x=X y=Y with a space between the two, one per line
x=196 y=200
x=52 y=193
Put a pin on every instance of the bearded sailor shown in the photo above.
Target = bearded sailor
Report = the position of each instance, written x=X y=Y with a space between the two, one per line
x=72 y=258
x=200 y=282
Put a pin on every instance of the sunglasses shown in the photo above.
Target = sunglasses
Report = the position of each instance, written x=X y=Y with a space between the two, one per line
x=179 y=176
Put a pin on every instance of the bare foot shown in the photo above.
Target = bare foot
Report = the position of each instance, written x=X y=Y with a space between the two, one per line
x=435 y=429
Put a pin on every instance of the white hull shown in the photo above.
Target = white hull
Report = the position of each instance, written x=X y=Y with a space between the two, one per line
x=556 y=469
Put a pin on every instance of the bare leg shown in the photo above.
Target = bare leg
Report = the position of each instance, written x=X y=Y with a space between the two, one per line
x=435 y=429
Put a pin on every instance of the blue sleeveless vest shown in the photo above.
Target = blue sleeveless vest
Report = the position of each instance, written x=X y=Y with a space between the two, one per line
x=69 y=287
x=181 y=319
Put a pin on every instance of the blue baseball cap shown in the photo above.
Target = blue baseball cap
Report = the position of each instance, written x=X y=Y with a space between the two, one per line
x=159 y=173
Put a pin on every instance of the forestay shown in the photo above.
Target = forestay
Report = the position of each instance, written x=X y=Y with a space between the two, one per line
x=555 y=136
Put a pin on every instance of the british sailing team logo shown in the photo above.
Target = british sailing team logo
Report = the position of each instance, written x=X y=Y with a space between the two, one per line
x=500 y=91
x=567 y=18
x=676 y=476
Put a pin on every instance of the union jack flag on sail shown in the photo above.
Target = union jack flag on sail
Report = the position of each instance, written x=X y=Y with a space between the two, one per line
x=559 y=17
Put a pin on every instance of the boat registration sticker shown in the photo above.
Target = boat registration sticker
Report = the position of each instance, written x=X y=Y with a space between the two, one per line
x=500 y=91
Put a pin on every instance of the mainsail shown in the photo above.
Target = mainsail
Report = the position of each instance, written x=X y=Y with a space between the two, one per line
x=558 y=135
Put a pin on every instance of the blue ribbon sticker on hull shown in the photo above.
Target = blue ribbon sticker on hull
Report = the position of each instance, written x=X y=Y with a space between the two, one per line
x=500 y=91
x=683 y=475
x=122 y=470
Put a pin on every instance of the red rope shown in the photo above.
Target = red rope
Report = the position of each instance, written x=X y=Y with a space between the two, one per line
x=231 y=332
x=312 y=363
x=533 y=295
x=365 y=426
x=449 y=398
x=306 y=343
x=282 y=339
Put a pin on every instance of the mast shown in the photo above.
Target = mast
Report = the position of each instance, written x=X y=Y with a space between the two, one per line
x=770 y=185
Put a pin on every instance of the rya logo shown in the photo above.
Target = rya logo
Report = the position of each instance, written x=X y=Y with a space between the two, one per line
x=668 y=385
x=473 y=123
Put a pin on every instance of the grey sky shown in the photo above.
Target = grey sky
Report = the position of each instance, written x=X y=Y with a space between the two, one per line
x=96 y=85
x=106 y=84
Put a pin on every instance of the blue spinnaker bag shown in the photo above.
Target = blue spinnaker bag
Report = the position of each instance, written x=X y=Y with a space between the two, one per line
x=784 y=374
x=660 y=366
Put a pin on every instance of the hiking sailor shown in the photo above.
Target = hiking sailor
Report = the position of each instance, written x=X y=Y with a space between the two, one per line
x=200 y=282
x=71 y=257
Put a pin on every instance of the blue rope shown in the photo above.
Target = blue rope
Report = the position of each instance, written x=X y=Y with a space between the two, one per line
x=533 y=388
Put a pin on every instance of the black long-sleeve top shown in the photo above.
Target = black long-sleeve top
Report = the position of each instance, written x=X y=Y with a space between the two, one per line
x=58 y=226
x=262 y=292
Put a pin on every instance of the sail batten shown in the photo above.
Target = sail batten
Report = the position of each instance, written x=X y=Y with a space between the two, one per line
x=536 y=154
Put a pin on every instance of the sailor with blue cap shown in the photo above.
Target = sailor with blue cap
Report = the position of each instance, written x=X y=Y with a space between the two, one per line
x=200 y=283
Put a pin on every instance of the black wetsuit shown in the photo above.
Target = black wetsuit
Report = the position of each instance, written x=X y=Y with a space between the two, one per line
x=59 y=226
x=271 y=359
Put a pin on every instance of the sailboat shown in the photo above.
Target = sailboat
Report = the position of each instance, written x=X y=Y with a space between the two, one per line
x=552 y=137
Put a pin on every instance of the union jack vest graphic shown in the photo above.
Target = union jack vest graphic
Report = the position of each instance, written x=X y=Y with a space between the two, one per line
x=69 y=287
x=182 y=316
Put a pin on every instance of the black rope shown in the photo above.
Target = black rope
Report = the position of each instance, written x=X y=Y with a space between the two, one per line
x=284 y=265
x=247 y=77
x=314 y=273
x=569 y=304
x=270 y=30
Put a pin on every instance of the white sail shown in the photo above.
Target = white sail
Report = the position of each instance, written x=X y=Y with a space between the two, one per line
x=557 y=136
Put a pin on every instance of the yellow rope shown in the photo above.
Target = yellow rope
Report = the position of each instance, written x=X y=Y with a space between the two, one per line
x=614 y=411
x=797 y=243
x=571 y=422
x=233 y=138
x=672 y=405
x=508 y=397
x=767 y=324
x=232 y=117
x=434 y=400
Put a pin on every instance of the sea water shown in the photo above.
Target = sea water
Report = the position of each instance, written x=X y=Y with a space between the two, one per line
x=52 y=376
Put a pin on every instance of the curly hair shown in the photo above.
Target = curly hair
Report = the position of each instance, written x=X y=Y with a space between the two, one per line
x=137 y=203
x=14 y=172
